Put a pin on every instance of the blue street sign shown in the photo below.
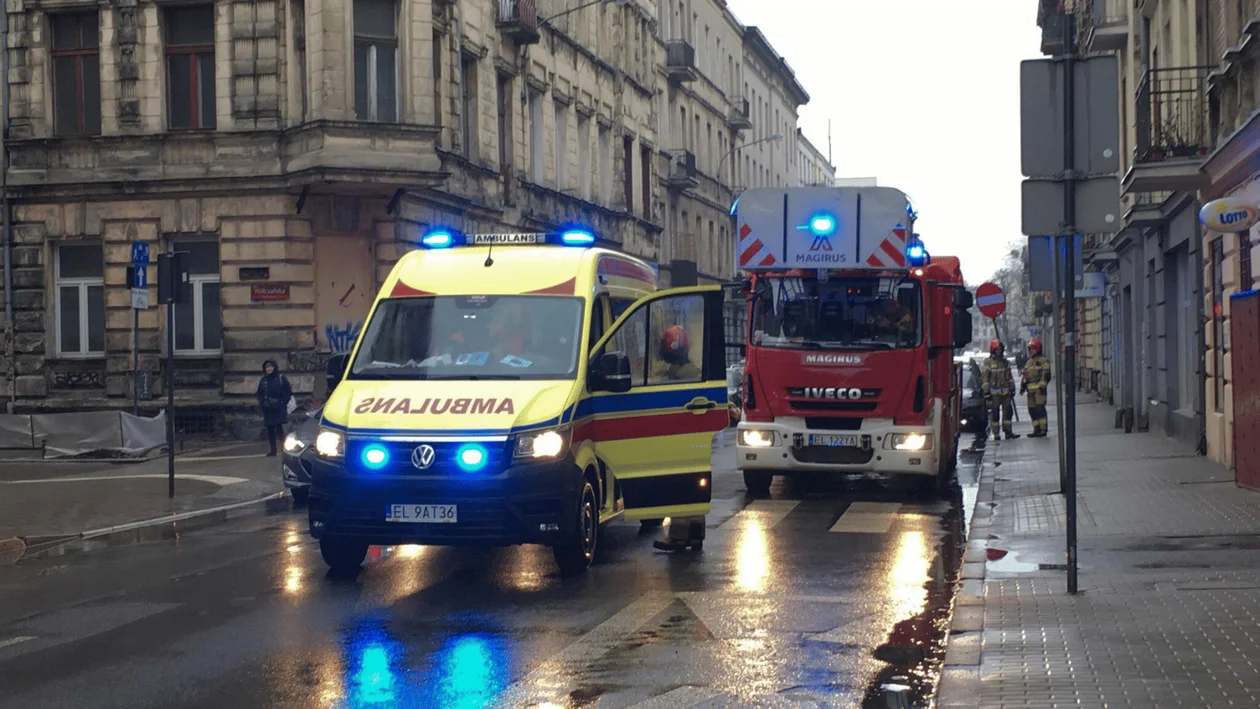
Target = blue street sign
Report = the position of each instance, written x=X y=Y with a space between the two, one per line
x=141 y=277
x=140 y=253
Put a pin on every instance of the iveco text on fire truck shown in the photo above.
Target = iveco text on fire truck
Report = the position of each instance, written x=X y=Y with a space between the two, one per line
x=851 y=338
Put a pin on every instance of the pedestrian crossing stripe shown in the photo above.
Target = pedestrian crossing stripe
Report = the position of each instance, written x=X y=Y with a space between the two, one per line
x=867 y=518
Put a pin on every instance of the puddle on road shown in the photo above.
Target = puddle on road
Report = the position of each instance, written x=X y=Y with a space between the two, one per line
x=915 y=649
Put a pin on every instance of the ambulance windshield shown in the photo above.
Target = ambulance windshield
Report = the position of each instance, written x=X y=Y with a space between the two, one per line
x=471 y=338
x=842 y=313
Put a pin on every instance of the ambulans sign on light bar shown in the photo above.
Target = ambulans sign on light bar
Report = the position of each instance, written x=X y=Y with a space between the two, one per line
x=822 y=228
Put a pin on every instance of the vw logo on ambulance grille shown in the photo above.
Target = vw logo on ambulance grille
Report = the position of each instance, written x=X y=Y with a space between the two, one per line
x=423 y=455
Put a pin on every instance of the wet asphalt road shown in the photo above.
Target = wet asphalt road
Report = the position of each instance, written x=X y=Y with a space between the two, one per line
x=821 y=595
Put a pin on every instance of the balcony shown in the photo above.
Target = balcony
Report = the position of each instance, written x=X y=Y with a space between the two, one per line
x=1172 y=130
x=741 y=114
x=682 y=174
x=1146 y=210
x=680 y=61
x=1103 y=25
x=518 y=19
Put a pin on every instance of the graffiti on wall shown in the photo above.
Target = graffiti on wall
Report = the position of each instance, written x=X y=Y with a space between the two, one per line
x=78 y=379
x=341 y=336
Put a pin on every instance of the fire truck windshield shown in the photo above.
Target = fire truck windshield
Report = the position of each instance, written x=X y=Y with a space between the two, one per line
x=841 y=313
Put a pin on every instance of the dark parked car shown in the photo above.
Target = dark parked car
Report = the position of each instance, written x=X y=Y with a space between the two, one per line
x=975 y=418
x=295 y=464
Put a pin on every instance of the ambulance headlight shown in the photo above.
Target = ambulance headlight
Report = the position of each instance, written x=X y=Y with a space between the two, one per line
x=330 y=444
x=911 y=441
x=754 y=438
x=542 y=445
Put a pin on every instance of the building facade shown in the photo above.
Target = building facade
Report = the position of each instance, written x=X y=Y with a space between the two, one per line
x=295 y=149
x=813 y=168
x=1141 y=342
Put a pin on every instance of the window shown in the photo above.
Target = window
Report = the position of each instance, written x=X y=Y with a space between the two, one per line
x=438 y=109
x=1217 y=284
x=605 y=165
x=76 y=69
x=468 y=107
x=80 y=281
x=631 y=340
x=562 y=145
x=198 y=322
x=1244 y=260
x=645 y=161
x=298 y=8
x=190 y=67
x=677 y=327
x=847 y=313
x=375 y=60
x=584 y=155
x=506 y=148
x=536 y=150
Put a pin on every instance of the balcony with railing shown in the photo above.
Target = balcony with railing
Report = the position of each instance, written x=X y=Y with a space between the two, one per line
x=741 y=114
x=1145 y=209
x=683 y=173
x=1102 y=25
x=518 y=19
x=1172 y=130
x=680 y=61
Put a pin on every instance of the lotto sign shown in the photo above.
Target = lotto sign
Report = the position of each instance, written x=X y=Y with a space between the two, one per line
x=991 y=300
x=821 y=228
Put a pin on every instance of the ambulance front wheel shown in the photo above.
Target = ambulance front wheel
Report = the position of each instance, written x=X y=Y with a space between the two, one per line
x=343 y=556
x=576 y=554
x=758 y=481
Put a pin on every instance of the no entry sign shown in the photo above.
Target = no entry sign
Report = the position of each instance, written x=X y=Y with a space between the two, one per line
x=991 y=300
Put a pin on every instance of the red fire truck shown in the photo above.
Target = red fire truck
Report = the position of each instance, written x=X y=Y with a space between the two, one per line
x=851 y=338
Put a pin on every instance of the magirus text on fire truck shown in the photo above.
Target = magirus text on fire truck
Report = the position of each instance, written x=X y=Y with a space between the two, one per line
x=822 y=228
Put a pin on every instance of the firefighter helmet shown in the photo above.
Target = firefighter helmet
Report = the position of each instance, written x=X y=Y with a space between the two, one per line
x=995 y=348
x=673 y=344
x=1034 y=346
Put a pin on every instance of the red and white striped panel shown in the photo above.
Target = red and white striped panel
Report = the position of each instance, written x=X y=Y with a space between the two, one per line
x=752 y=252
x=891 y=253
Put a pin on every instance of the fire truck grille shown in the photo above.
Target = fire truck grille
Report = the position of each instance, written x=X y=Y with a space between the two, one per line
x=838 y=406
x=834 y=456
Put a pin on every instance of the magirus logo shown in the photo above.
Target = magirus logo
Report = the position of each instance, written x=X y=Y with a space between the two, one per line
x=832 y=359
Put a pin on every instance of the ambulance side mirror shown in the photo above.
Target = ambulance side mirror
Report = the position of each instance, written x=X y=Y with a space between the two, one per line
x=611 y=373
x=335 y=369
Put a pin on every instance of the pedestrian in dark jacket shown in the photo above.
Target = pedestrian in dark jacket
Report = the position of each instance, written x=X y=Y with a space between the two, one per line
x=274 y=393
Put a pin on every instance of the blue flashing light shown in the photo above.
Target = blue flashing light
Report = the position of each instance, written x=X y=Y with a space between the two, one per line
x=915 y=252
x=471 y=457
x=374 y=456
x=577 y=237
x=822 y=224
x=438 y=239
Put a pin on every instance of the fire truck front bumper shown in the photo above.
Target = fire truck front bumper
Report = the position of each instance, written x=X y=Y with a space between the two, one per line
x=878 y=447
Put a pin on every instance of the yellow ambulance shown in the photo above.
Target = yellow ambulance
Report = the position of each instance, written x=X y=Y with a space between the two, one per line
x=518 y=389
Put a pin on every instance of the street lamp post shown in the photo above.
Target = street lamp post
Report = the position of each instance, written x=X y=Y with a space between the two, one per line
x=768 y=138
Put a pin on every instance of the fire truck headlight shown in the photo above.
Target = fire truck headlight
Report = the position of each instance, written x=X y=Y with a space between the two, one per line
x=754 y=438
x=543 y=445
x=911 y=441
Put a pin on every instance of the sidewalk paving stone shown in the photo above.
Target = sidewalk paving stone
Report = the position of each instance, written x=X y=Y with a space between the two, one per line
x=1168 y=612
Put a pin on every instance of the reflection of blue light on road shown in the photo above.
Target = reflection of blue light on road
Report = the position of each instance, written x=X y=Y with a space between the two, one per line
x=374 y=682
x=471 y=671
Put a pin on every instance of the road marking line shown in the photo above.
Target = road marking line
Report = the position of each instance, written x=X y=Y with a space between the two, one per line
x=16 y=640
x=679 y=697
x=867 y=518
x=767 y=512
x=215 y=479
x=547 y=681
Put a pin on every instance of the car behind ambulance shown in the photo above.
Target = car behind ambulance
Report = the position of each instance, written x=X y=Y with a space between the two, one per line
x=509 y=389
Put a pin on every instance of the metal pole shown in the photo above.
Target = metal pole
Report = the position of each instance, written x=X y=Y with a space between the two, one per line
x=1069 y=326
x=135 y=358
x=10 y=328
x=175 y=285
x=1057 y=342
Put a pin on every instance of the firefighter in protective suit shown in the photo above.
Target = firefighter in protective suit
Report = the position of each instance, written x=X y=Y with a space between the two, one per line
x=998 y=385
x=673 y=363
x=1036 y=380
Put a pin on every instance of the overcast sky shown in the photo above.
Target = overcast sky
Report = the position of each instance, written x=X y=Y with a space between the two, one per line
x=923 y=95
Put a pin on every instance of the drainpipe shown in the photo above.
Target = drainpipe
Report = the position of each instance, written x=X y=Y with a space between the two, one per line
x=459 y=68
x=9 y=327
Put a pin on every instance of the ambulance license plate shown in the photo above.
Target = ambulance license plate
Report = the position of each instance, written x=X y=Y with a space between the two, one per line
x=829 y=440
x=422 y=514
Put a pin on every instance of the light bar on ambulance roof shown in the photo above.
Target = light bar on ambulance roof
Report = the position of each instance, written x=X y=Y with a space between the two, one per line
x=445 y=238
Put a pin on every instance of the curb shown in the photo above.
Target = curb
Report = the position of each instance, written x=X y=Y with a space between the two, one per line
x=959 y=686
x=147 y=458
x=48 y=546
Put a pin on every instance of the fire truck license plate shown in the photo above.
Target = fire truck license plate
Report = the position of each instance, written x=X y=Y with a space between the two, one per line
x=423 y=514
x=828 y=440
